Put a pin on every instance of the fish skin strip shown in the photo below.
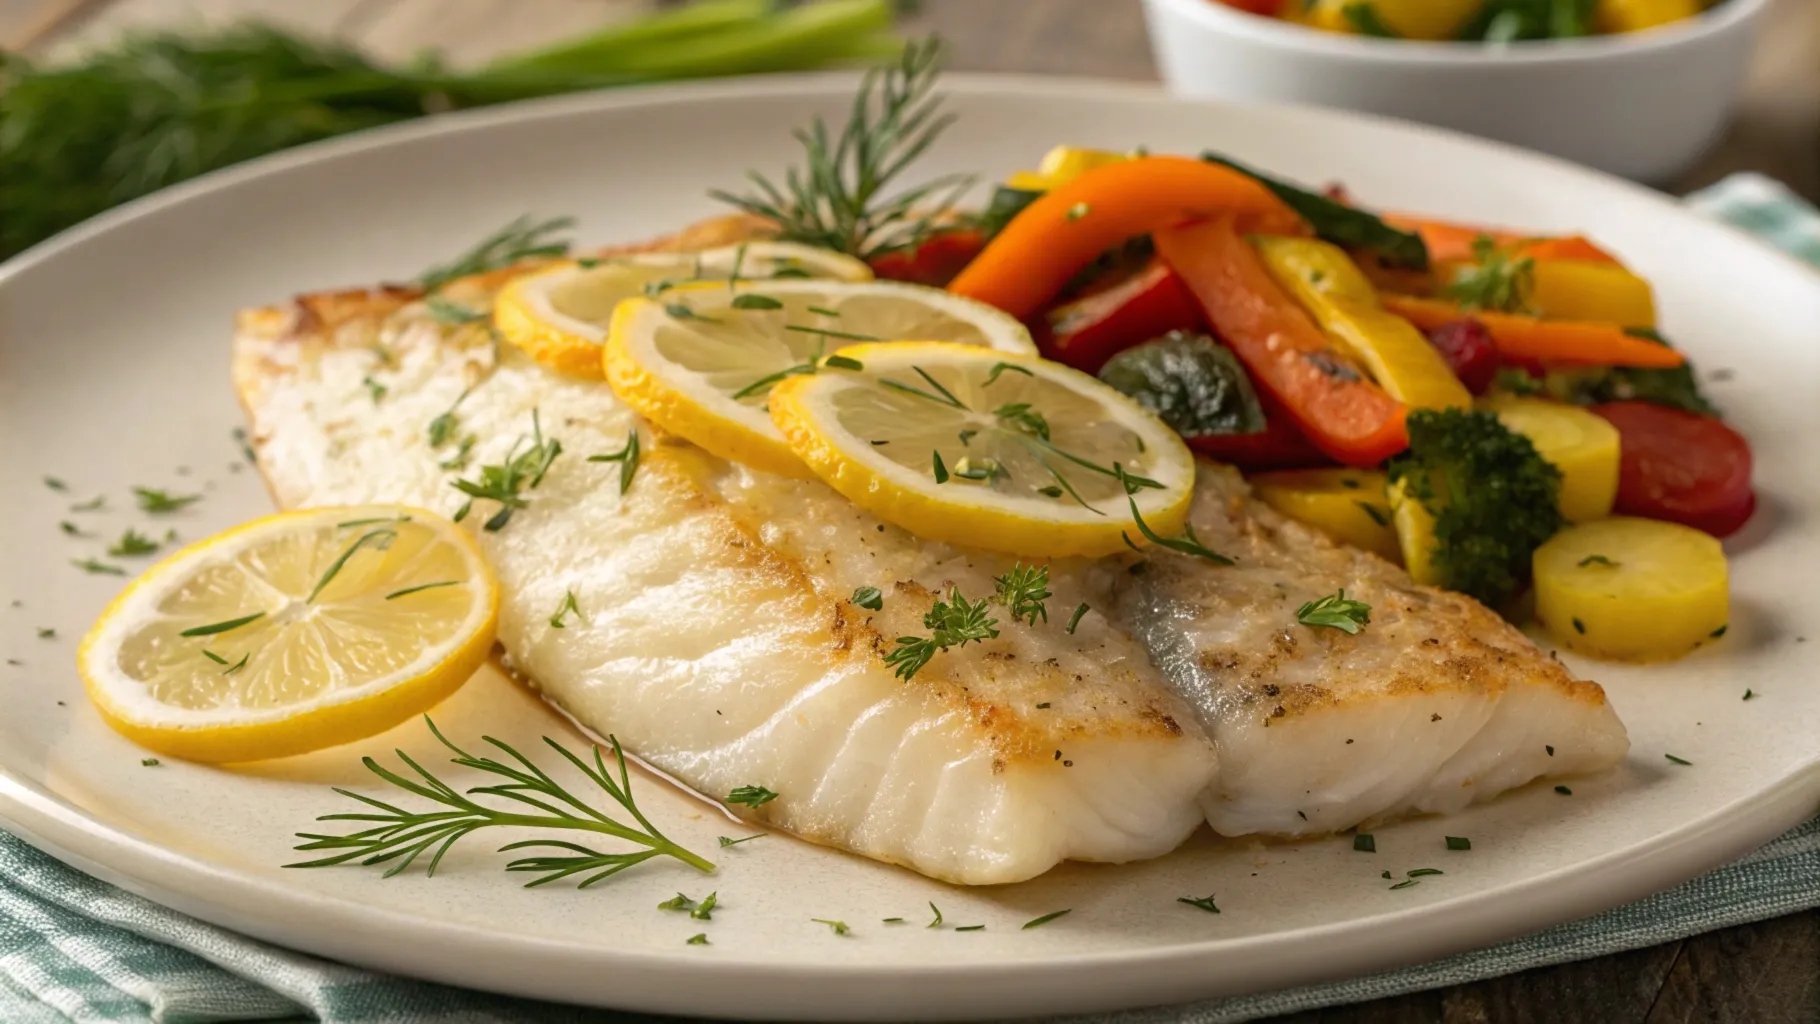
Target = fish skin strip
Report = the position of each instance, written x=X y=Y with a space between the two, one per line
x=717 y=640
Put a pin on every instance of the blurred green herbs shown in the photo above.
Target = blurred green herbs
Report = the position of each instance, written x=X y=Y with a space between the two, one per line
x=154 y=110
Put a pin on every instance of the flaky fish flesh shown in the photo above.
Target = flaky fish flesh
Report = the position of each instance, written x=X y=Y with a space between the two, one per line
x=717 y=638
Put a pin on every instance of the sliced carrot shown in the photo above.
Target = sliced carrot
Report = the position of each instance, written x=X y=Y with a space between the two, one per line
x=1549 y=341
x=1045 y=245
x=1290 y=358
x=1449 y=241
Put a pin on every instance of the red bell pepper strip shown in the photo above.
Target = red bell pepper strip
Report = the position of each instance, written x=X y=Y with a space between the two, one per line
x=1278 y=446
x=935 y=262
x=1033 y=258
x=1330 y=399
x=1088 y=331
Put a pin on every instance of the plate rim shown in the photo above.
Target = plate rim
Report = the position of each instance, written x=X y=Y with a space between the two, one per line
x=469 y=957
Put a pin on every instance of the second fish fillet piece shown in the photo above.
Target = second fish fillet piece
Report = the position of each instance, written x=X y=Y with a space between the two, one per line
x=1436 y=704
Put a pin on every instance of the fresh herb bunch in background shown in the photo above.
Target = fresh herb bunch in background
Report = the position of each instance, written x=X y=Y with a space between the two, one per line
x=155 y=110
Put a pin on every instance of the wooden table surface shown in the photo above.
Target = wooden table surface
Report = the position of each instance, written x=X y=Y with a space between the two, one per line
x=1767 y=973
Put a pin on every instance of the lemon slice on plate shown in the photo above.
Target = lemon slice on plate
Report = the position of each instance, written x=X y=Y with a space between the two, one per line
x=987 y=449
x=559 y=316
x=293 y=632
x=701 y=360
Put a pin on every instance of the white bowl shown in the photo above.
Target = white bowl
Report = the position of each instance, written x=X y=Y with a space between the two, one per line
x=1644 y=106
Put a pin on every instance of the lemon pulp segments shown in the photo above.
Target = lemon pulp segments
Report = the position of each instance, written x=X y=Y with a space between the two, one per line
x=293 y=632
x=560 y=316
x=701 y=360
x=986 y=449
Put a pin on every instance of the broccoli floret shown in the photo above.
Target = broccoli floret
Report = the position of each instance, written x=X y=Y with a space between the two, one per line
x=1494 y=499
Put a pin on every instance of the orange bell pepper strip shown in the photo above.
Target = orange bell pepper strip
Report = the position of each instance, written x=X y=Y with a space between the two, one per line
x=1045 y=245
x=1517 y=337
x=1291 y=359
x=1449 y=241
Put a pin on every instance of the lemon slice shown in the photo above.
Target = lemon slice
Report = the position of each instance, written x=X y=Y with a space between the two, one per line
x=700 y=360
x=987 y=449
x=559 y=317
x=292 y=633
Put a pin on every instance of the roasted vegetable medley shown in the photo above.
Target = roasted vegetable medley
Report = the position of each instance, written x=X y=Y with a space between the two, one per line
x=1484 y=21
x=1495 y=409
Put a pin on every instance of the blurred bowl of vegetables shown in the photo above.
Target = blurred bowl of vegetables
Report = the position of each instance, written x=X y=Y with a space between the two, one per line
x=1639 y=88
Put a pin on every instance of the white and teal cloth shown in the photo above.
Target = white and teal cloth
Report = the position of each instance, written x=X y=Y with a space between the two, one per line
x=74 y=948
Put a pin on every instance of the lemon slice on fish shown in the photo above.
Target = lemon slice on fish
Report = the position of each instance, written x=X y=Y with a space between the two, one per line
x=988 y=449
x=559 y=316
x=293 y=632
x=700 y=360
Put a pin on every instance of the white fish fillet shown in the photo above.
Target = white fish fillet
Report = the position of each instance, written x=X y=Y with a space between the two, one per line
x=717 y=639
x=1437 y=704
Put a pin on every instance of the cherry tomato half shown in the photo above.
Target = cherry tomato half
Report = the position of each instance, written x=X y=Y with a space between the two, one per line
x=1681 y=467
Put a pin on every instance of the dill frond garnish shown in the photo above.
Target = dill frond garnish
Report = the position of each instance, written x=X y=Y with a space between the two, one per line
x=1023 y=590
x=837 y=199
x=522 y=239
x=955 y=622
x=521 y=470
x=539 y=802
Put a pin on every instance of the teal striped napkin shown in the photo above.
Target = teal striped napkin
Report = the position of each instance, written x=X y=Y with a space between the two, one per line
x=73 y=948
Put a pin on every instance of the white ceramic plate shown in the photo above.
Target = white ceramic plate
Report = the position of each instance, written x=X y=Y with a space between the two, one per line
x=113 y=372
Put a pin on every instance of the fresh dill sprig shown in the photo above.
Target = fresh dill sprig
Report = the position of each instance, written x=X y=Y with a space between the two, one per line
x=564 y=610
x=751 y=796
x=1023 y=590
x=442 y=428
x=519 y=472
x=1336 y=611
x=955 y=622
x=1020 y=417
x=132 y=543
x=539 y=801
x=157 y=502
x=522 y=239
x=381 y=538
x=454 y=314
x=92 y=567
x=627 y=458
x=837 y=199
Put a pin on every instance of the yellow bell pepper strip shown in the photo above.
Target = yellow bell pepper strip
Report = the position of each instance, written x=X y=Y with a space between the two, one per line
x=1406 y=19
x=1531 y=339
x=1337 y=294
x=1637 y=15
x=1035 y=256
x=1063 y=164
x=1290 y=359
x=1028 y=181
x=1591 y=290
